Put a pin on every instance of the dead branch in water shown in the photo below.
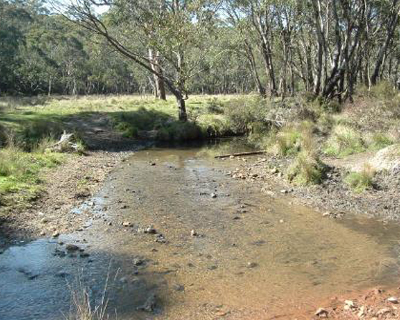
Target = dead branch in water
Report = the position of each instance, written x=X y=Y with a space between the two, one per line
x=252 y=153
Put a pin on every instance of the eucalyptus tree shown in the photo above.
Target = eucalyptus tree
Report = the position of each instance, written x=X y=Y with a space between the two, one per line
x=174 y=29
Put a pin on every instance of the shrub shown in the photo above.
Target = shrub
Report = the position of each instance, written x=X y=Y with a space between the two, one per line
x=179 y=131
x=215 y=126
x=213 y=106
x=306 y=169
x=292 y=139
x=344 y=141
x=241 y=112
x=360 y=181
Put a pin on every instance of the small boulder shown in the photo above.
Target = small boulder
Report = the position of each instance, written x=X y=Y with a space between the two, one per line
x=321 y=313
x=393 y=300
x=71 y=247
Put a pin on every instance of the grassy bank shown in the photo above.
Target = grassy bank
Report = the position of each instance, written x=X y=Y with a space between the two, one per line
x=301 y=128
x=28 y=126
x=133 y=116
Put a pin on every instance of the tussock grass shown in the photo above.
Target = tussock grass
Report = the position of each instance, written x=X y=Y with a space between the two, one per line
x=361 y=181
x=83 y=305
x=306 y=169
x=292 y=139
x=344 y=141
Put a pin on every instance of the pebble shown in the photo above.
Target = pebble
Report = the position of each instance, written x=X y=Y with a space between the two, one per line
x=72 y=247
x=126 y=224
x=138 y=262
x=251 y=265
x=213 y=195
x=193 y=233
x=149 y=305
x=150 y=230
x=393 y=300
x=179 y=287
x=322 y=313
x=383 y=311
x=55 y=234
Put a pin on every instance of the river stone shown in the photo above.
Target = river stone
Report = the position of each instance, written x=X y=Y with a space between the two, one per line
x=251 y=265
x=72 y=247
x=149 y=305
x=322 y=313
x=387 y=159
x=393 y=300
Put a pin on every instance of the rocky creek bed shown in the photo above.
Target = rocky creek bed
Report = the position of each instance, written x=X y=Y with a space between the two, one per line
x=178 y=237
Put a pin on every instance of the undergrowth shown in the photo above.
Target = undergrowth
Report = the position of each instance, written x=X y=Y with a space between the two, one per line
x=361 y=181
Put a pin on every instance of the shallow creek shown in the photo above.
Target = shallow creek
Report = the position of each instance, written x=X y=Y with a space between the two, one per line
x=253 y=256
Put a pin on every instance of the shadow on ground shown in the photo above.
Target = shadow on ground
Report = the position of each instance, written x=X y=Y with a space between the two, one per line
x=105 y=131
x=41 y=279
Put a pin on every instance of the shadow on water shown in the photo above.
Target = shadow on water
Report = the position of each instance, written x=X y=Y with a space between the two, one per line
x=37 y=281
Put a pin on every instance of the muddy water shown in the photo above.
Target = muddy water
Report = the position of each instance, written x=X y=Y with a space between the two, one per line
x=253 y=256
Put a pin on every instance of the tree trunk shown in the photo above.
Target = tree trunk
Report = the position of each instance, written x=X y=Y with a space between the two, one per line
x=389 y=37
x=158 y=81
x=182 y=108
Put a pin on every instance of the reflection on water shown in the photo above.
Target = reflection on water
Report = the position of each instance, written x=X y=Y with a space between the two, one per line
x=251 y=255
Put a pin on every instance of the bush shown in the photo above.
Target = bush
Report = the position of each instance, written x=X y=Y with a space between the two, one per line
x=360 y=181
x=306 y=169
x=179 y=131
x=292 y=139
x=213 y=106
x=215 y=126
x=244 y=111
x=344 y=141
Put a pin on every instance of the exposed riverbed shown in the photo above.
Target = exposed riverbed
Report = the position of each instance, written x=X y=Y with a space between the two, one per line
x=180 y=239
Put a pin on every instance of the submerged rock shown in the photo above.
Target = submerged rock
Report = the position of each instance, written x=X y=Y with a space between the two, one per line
x=149 y=305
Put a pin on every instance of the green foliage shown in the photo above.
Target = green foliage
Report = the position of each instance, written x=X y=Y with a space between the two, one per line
x=244 y=111
x=180 y=131
x=360 y=181
x=344 y=141
x=292 y=139
x=214 y=106
x=306 y=169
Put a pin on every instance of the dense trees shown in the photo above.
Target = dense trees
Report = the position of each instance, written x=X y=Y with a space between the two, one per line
x=274 y=47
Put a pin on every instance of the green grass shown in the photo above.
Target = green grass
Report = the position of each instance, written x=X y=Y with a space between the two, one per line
x=130 y=115
x=344 y=141
x=306 y=169
x=379 y=141
x=19 y=171
x=360 y=181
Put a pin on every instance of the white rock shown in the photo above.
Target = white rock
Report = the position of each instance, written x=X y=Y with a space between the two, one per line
x=322 y=313
x=393 y=300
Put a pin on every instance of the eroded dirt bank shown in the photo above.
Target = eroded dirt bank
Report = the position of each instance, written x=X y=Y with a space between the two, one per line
x=183 y=240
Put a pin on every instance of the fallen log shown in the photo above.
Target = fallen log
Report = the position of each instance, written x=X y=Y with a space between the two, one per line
x=240 y=154
x=65 y=144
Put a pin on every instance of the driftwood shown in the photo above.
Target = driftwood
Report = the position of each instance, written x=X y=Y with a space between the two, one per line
x=65 y=144
x=252 y=153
